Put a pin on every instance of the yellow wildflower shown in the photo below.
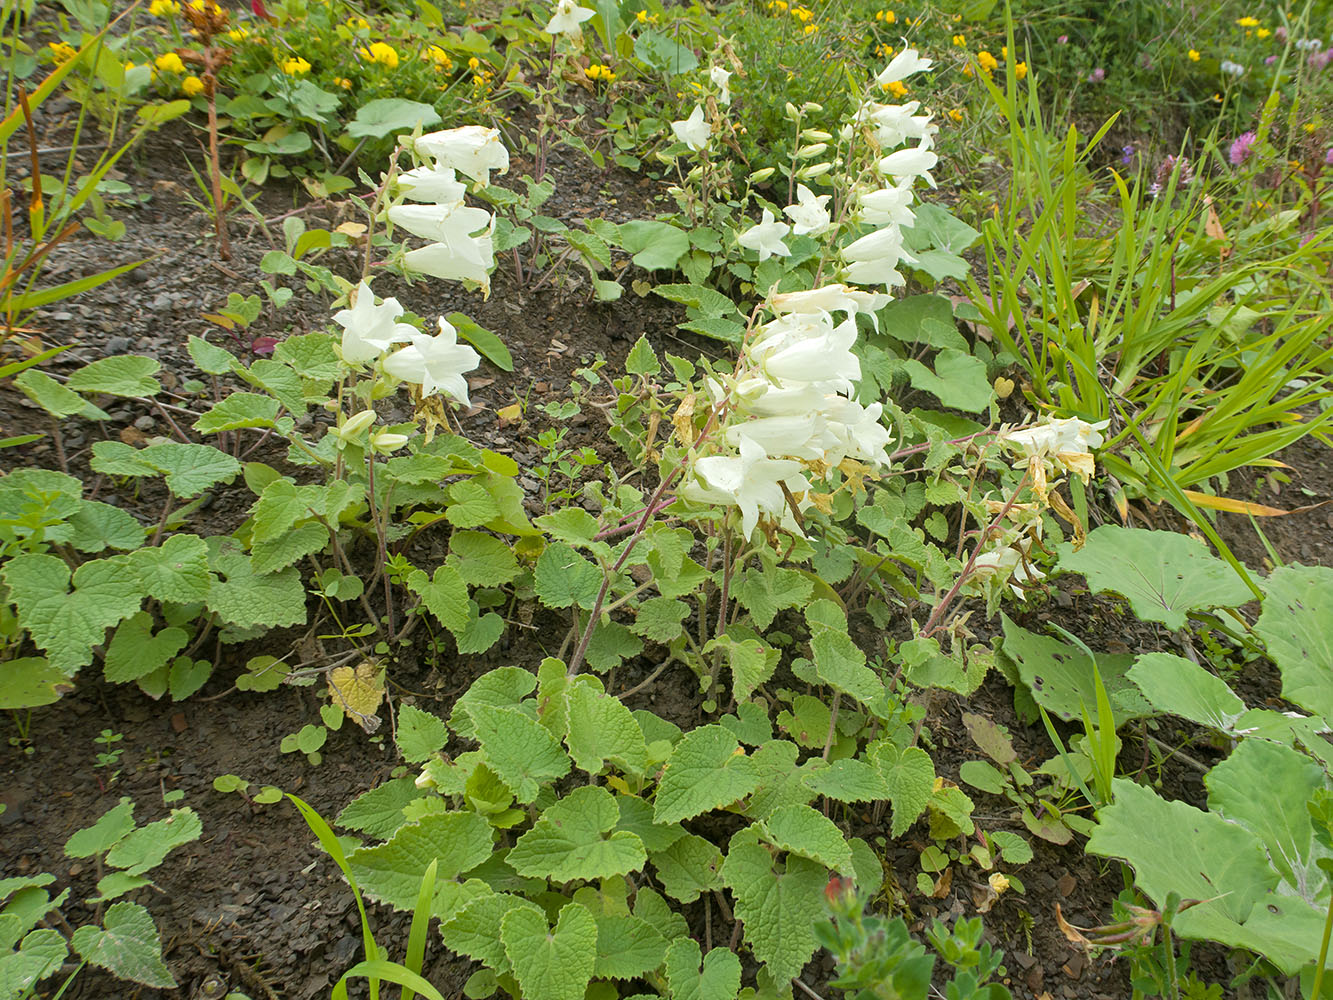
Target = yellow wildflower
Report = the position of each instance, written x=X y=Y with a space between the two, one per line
x=987 y=61
x=896 y=88
x=1004 y=52
x=802 y=14
x=192 y=86
x=169 y=62
x=1309 y=127
x=1262 y=33
x=967 y=70
x=382 y=53
x=1194 y=55
x=474 y=64
x=1247 y=22
x=63 y=52
x=358 y=24
x=597 y=71
x=810 y=29
x=889 y=17
x=439 y=57
x=342 y=81
x=164 y=8
x=959 y=41
x=295 y=66
x=956 y=115
x=1020 y=70
x=238 y=34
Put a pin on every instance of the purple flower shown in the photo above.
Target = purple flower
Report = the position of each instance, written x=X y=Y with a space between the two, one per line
x=1328 y=157
x=1241 y=149
x=1270 y=60
x=1280 y=33
x=1062 y=40
x=1126 y=154
x=1097 y=75
x=1320 y=60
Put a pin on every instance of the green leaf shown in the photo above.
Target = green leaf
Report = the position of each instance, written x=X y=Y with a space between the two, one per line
x=551 y=964
x=849 y=780
x=838 y=661
x=1296 y=625
x=636 y=816
x=444 y=595
x=378 y=813
x=122 y=375
x=391 y=872
x=1174 y=847
x=779 y=907
x=1264 y=787
x=239 y=410
x=612 y=644
x=245 y=599
x=569 y=524
x=660 y=619
x=144 y=848
x=717 y=977
x=40 y=955
x=801 y=830
x=752 y=661
x=176 y=570
x=706 y=770
x=662 y=52
x=135 y=651
x=563 y=578
x=1060 y=676
x=688 y=867
x=291 y=547
x=910 y=776
x=387 y=115
x=482 y=560
x=475 y=930
x=56 y=399
x=519 y=750
x=627 y=947
x=471 y=504
x=116 y=458
x=655 y=245
x=420 y=735
x=503 y=687
x=602 y=729
x=959 y=380
x=65 y=624
x=310 y=355
x=211 y=359
x=127 y=945
x=490 y=346
x=99 y=526
x=31 y=682
x=1163 y=574
x=1181 y=687
x=190 y=468
x=569 y=840
x=110 y=827
x=766 y=591
x=710 y=302
x=781 y=781
x=642 y=360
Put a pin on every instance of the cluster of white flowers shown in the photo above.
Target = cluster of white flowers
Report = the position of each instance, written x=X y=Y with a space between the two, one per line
x=437 y=363
x=462 y=249
x=567 y=19
x=790 y=409
x=1055 y=446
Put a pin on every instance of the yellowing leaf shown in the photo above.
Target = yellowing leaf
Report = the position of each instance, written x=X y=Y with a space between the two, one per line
x=358 y=691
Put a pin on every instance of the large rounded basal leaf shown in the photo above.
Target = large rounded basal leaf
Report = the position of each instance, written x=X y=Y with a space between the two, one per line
x=1161 y=573
x=1060 y=676
x=655 y=245
x=1181 y=687
x=386 y=115
x=1297 y=627
x=572 y=839
x=707 y=770
x=1264 y=787
x=1174 y=847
